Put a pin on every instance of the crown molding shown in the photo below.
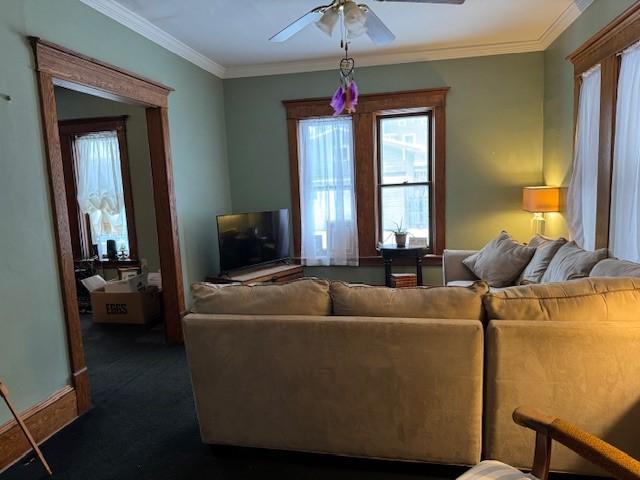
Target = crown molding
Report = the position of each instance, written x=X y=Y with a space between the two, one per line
x=390 y=58
x=138 y=24
x=566 y=18
x=144 y=27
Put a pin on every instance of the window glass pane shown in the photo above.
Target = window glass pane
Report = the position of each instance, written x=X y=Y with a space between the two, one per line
x=407 y=206
x=404 y=155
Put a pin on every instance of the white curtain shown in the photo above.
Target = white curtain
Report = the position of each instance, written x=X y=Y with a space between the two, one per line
x=327 y=192
x=99 y=183
x=582 y=194
x=625 y=195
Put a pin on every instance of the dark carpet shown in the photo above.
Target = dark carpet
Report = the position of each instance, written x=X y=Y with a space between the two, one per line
x=143 y=426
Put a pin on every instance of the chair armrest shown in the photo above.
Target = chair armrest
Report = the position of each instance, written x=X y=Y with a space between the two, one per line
x=452 y=267
x=588 y=446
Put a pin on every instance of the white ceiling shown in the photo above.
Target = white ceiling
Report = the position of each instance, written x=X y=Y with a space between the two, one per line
x=230 y=37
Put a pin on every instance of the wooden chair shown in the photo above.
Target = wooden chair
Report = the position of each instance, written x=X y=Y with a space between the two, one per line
x=4 y=393
x=613 y=461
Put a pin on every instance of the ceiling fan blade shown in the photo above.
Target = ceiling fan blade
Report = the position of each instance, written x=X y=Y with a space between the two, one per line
x=377 y=31
x=289 y=31
x=452 y=2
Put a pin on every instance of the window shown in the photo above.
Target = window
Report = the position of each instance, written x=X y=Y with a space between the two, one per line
x=582 y=197
x=404 y=175
x=100 y=194
x=625 y=196
x=353 y=176
x=327 y=186
x=98 y=185
x=606 y=160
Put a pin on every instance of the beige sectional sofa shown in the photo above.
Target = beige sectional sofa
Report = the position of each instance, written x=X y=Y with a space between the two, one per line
x=377 y=372
x=358 y=385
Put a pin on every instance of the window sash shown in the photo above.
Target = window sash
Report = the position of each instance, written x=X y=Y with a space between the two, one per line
x=382 y=232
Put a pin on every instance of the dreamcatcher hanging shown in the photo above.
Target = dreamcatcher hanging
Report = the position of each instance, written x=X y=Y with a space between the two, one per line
x=346 y=96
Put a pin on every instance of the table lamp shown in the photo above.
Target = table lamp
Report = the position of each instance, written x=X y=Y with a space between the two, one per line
x=540 y=200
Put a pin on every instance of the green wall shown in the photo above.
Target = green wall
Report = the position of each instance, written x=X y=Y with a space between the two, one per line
x=496 y=131
x=494 y=141
x=33 y=359
x=558 y=96
x=72 y=105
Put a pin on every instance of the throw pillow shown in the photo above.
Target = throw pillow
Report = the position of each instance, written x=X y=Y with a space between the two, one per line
x=612 y=267
x=538 y=240
x=571 y=262
x=586 y=299
x=545 y=251
x=501 y=261
x=299 y=297
x=464 y=303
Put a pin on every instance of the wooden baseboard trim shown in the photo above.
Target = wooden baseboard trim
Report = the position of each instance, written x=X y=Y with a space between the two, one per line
x=43 y=420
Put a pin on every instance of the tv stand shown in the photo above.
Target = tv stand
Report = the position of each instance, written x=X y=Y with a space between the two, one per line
x=272 y=273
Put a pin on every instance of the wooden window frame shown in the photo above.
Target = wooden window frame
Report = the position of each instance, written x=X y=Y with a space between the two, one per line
x=429 y=183
x=370 y=107
x=69 y=131
x=603 y=49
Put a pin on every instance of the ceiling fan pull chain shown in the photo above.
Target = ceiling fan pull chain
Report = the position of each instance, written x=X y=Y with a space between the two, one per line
x=341 y=28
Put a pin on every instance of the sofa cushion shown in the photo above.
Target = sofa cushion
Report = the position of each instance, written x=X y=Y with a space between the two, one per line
x=545 y=251
x=299 y=297
x=571 y=262
x=587 y=299
x=501 y=261
x=612 y=267
x=419 y=302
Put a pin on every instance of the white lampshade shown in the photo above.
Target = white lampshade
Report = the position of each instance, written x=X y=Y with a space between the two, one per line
x=328 y=21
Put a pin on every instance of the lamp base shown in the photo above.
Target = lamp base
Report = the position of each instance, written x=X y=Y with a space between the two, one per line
x=538 y=223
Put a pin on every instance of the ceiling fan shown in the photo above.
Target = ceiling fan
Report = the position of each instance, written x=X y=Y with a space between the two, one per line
x=358 y=19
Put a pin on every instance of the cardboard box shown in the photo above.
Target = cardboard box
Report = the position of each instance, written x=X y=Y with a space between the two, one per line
x=136 y=283
x=138 y=308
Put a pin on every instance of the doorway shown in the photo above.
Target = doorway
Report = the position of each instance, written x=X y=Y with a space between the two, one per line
x=59 y=67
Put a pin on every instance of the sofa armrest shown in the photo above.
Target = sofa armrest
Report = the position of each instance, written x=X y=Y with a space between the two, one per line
x=452 y=267
x=583 y=371
x=372 y=387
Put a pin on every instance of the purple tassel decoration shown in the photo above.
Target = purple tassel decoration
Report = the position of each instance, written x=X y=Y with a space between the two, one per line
x=345 y=98
x=338 y=101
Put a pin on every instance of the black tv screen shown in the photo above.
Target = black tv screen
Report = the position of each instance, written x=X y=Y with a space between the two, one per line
x=249 y=239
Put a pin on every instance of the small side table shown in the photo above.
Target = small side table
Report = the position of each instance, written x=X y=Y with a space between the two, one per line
x=391 y=252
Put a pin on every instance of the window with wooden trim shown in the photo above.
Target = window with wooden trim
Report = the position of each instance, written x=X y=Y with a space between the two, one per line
x=98 y=186
x=399 y=166
x=615 y=168
x=404 y=175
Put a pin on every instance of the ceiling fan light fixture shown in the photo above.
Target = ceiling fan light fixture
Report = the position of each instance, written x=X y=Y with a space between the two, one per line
x=355 y=19
x=328 y=21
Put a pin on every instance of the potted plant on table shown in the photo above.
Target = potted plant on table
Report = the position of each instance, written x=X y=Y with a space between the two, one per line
x=400 y=234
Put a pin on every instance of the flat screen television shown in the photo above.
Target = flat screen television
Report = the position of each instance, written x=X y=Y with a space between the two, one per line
x=248 y=239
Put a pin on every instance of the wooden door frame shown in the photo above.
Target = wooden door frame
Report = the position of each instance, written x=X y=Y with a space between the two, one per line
x=58 y=66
